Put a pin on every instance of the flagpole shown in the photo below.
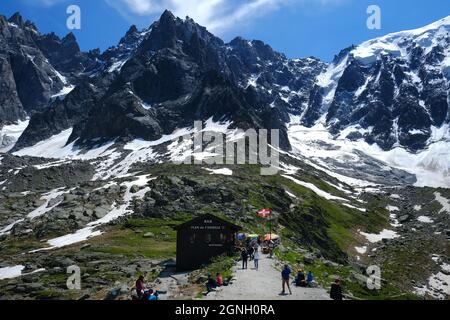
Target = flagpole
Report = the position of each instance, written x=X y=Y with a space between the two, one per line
x=270 y=236
x=270 y=228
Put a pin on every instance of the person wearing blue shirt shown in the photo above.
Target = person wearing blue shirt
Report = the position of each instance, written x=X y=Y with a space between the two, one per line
x=310 y=279
x=154 y=296
x=285 y=276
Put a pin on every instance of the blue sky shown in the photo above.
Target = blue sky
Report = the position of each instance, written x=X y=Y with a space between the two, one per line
x=297 y=28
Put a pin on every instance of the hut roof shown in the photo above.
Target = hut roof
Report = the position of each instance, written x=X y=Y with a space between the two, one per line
x=207 y=216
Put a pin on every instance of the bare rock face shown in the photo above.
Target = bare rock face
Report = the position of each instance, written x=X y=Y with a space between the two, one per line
x=174 y=72
x=10 y=106
x=34 y=67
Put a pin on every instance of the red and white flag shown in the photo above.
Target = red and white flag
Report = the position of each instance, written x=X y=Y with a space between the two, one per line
x=264 y=213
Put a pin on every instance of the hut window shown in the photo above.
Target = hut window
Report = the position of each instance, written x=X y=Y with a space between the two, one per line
x=223 y=238
x=208 y=238
x=192 y=238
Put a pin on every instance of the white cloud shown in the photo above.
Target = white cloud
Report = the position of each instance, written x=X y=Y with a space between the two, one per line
x=218 y=16
x=143 y=7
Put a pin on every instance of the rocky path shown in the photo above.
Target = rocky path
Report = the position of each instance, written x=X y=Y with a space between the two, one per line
x=169 y=286
x=264 y=284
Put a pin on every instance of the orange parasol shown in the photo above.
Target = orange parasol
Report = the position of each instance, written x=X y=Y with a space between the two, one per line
x=272 y=236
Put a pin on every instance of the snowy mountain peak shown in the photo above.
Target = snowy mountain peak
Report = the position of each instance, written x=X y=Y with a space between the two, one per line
x=444 y=22
x=401 y=43
x=387 y=94
x=392 y=93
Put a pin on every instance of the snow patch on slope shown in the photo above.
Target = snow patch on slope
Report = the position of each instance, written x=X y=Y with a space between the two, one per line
x=11 y=272
x=430 y=166
x=361 y=250
x=385 y=234
x=315 y=189
x=10 y=134
x=117 y=66
x=444 y=202
x=110 y=162
x=223 y=171
x=116 y=212
x=64 y=92
x=329 y=81
x=52 y=147
x=9 y=227
x=54 y=194
x=425 y=219
x=56 y=147
x=40 y=211
x=438 y=286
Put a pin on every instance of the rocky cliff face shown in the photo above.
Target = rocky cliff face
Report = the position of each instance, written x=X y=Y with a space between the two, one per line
x=171 y=74
x=34 y=68
x=392 y=91
x=395 y=89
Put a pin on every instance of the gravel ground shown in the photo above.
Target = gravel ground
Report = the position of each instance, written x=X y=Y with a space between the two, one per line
x=263 y=284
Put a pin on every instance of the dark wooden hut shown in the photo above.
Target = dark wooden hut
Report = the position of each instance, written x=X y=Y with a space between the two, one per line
x=203 y=238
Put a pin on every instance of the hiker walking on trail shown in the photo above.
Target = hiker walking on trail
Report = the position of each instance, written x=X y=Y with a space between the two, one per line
x=285 y=276
x=271 y=246
x=250 y=252
x=256 y=257
x=244 y=256
x=336 y=290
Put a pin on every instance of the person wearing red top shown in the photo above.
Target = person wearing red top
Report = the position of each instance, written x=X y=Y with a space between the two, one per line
x=140 y=287
x=219 y=280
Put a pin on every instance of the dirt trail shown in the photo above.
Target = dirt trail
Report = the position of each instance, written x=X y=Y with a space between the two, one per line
x=263 y=284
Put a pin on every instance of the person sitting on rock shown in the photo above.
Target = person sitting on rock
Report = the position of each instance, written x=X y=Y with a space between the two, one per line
x=310 y=279
x=300 y=280
x=336 y=290
x=147 y=294
x=154 y=296
x=140 y=287
x=210 y=284
x=219 y=280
